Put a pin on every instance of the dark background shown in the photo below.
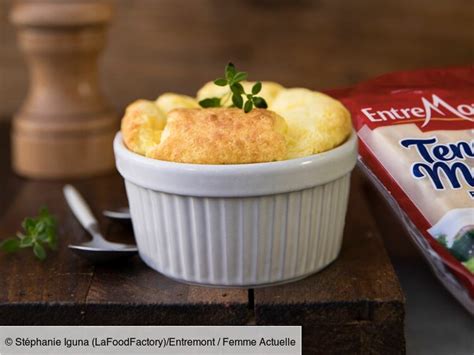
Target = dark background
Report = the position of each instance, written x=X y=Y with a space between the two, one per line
x=176 y=45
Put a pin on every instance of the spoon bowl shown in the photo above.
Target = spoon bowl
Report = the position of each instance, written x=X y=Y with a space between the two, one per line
x=98 y=249
x=99 y=255
x=122 y=213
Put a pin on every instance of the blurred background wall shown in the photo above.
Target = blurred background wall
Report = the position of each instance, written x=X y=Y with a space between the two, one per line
x=176 y=45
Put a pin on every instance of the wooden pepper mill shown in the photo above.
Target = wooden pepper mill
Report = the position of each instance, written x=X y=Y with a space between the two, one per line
x=65 y=127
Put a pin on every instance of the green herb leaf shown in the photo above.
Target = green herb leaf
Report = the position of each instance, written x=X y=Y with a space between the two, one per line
x=27 y=241
x=53 y=242
x=40 y=227
x=44 y=238
x=37 y=232
x=28 y=224
x=211 y=102
x=10 y=245
x=237 y=89
x=230 y=71
x=248 y=106
x=240 y=76
x=221 y=82
x=256 y=88
x=237 y=100
x=236 y=93
x=39 y=251
x=259 y=102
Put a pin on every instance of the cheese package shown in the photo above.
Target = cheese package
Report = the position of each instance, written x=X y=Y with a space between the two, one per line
x=416 y=135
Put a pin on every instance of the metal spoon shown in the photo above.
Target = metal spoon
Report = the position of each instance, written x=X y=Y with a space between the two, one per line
x=120 y=213
x=98 y=249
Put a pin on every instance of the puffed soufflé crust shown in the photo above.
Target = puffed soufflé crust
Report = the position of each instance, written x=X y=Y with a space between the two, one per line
x=299 y=122
x=222 y=136
x=316 y=122
x=142 y=125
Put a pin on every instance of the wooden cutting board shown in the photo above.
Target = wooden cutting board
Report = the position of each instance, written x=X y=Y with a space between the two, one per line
x=355 y=305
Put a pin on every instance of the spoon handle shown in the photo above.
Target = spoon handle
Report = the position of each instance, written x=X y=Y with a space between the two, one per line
x=80 y=208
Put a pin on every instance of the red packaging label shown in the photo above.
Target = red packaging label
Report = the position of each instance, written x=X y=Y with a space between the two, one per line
x=416 y=134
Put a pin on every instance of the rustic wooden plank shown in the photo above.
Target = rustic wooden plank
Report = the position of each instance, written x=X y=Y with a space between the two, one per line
x=382 y=338
x=27 y=284
x=132 y=293
x=64 y=279
x=358 y=337
x=56 y=291
x=332 y=339
x=26 y=279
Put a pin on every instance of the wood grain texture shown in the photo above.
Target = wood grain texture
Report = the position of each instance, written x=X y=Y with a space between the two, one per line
x=32 y=292
x=177 y=45
x=132 y=293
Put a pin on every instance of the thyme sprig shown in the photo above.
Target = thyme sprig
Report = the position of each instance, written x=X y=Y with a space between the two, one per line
x=38 y=232
x=240 y=98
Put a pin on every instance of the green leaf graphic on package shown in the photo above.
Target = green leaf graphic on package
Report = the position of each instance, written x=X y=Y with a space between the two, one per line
x=462 y=247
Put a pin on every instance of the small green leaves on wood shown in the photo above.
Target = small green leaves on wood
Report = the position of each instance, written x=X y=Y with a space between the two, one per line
x=38 y=232
x=233 y=79
x=10 y=245
x=39 y=251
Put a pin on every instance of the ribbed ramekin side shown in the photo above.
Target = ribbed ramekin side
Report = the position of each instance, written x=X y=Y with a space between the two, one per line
x=239 y=241
x=141 y=227
x=306 y=232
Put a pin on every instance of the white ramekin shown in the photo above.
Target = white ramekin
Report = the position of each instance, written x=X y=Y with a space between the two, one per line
x=238 y=225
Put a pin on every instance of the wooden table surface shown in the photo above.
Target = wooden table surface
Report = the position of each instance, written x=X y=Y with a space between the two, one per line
x=356 y=304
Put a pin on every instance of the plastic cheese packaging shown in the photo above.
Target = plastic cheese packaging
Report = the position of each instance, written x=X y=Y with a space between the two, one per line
x=416 y=135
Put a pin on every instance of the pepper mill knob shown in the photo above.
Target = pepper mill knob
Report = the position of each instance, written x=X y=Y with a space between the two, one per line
x=65 y=127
